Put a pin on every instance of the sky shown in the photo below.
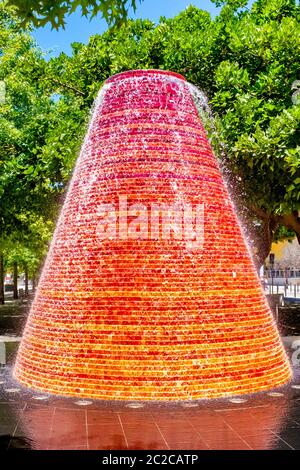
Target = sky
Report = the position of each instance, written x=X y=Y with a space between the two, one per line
x=79 y=29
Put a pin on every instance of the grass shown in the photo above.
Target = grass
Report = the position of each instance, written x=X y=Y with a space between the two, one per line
x=14 y=307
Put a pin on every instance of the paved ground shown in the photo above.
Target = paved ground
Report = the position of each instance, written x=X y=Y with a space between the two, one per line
x=36 y=421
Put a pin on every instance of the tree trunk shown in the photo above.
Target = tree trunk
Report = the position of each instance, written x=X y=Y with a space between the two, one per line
x=292 y=221
x=263 y=235
x=33 y=283
x=26 y=281
x=15 y=296
x=261 y=254
x=2 y=299
x=264 y=243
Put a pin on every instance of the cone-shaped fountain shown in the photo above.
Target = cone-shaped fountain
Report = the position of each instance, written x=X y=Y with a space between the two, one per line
x=149 y=291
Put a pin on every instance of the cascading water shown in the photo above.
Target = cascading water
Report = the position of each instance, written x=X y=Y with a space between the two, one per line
x=149 y=291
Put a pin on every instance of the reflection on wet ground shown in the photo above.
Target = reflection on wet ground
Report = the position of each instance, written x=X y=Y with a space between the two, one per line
x=33 y=420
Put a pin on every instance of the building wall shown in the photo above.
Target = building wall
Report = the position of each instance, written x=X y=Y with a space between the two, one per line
x=287 y=254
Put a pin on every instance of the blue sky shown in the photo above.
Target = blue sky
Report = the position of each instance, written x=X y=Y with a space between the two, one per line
x=79 y=29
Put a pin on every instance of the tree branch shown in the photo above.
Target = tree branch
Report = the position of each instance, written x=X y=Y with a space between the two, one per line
x=65 y=85
x=292 y=221
x=260 y=213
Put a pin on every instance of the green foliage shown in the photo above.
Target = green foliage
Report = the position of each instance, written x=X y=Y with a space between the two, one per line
x=54 y=12
x=24 y=256
x=235 y=4
x=39 y=141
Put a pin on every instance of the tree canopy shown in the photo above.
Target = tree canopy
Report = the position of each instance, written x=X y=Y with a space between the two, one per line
x=54 y=12
x=39 y=137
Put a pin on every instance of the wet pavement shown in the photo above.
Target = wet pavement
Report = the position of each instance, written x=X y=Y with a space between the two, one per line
x=32 y=420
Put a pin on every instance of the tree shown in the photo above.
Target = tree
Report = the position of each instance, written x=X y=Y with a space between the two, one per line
x=24 y=258
x=247 y=62
x=37 y=144
x=259 y=121
x=2 y=273
x=39 y=139
x=54 y=12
